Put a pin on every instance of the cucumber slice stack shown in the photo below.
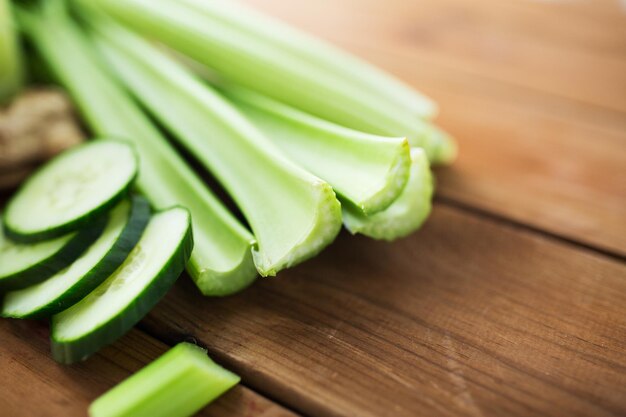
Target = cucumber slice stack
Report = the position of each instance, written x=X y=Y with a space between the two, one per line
x=129 y=294
x=78 y=247
x=123 y=229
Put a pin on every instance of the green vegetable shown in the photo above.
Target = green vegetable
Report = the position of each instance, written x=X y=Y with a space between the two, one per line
x=126 y=296
x=406 y=214
x=71 y=191
x=279 y=62
x=292 y=213
x=23 y=265
x=124 y=227
x=221 y=262
x=11 y=65
x=177 y=384
x=368 y=172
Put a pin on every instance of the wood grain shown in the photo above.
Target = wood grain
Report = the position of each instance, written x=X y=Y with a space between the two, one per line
x=467 y=317
x=534 y=92
x=32 y=384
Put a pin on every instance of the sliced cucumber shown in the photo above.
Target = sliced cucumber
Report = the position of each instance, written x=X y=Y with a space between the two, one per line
x=24 y=265
x=124 y=227
x=71 y=191
x=125 y=297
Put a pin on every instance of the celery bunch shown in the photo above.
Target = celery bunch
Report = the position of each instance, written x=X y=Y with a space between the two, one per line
x=301 y=135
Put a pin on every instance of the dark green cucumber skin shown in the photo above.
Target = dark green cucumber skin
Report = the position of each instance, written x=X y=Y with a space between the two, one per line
x=68 y=352
x=137 y=222
x=76 y=224
x=46 y=268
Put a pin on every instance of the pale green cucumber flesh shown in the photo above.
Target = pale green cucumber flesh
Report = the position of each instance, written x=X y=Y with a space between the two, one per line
x=71 y=190
x=124 y=227
x=125 y=297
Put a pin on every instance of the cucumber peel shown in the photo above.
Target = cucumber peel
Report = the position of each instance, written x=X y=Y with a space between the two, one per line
x=23 y=265
x=124 y=227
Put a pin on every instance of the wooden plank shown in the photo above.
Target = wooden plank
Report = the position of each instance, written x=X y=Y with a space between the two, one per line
x=34 y=385
x=467 y=317
x=549 y=161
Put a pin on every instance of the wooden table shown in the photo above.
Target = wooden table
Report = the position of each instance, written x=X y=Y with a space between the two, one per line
x=512 y=299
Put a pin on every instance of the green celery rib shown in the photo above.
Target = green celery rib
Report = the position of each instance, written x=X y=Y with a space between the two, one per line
x=406 y=214
x=244 y=50
x=177 y=384
x=11 y=65
x=292 y=213
x=291 y=42
x=368 y=172
x=221 y=262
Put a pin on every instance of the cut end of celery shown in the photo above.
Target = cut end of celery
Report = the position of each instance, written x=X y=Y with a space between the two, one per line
x=406 y=214
x=177 y=384
x=395 y=181
x=214 y=283
x=325 y=226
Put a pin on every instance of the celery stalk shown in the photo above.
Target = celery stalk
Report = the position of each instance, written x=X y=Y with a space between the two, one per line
x=177 y=384
x=221 y=262
x=291 y=42
x=368 y=172
x=245 y=50
x=406 y=214
x=292 y=213
x=11 y=66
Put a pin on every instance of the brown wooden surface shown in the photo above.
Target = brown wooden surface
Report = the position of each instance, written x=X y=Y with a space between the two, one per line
x=33 y=385
x=463 y=318
x=512 y=299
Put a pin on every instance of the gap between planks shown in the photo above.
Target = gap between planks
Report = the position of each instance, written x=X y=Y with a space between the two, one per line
x=509 y=222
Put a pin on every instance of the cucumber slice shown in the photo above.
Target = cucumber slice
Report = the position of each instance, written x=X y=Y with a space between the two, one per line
x=124 y=227
x=178 y=384
x=117 y=304
x=71 y=191
x=23 y=265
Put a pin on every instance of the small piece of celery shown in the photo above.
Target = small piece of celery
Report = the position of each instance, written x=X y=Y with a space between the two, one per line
x=221 y=262
x=368 y=172
x=11 y=65
x=292 y=213
x=406 y=214
x=177 y=384
x=244 y=48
